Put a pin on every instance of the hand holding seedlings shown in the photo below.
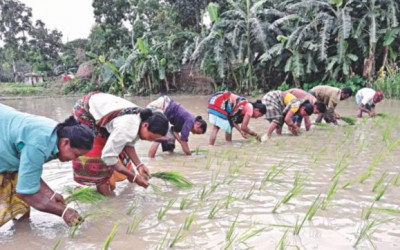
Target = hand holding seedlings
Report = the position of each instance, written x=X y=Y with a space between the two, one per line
x=71 y=217
x=143 y=171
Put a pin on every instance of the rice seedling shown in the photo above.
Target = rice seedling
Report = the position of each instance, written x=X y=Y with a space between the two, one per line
x=271 y=174
x=379 y=182
x=110 y=237
x=189 y=221
x=381 y=114
x=214 y=210
x=387 y=210
x=282 y=242
x=229 y=200
x=387 y=132
x=393 y=145
x=367 y=229
x=349 y=120
x=314 y=207
x=366 y=212
x=396 y=180
x=163 y=211
x=349 y=183
x=382 y=192
x=308 y=216
x=204 y=193
x=131 y=209
x=294 y=191
x=375 y=161
x=250 y=233
x=298 y=226
x=174 y=178
x=315 y=156
x=85 y=194
x=179 y=236
x=134 y=224
x=209 y=163
x=214 y=178
x=251 y=192
x=229 y=236
x=234 y=168
x=74 y=228
x=161 y=245
x=331 y=192
x=185 y=202
x=341 y=165
x=57 y=245
x=322 y=124
x=200 y=151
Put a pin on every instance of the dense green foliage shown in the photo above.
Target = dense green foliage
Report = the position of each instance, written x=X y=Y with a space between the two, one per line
x=248 y=46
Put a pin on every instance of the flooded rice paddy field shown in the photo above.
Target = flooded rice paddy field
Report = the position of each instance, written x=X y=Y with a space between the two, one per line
x=334 y=187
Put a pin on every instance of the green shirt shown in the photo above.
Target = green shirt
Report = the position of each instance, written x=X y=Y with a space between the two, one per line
x=26 y=143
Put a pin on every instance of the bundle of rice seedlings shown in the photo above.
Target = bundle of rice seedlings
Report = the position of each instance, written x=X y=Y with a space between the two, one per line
x=320 y=124
x=383 y=115
x=85 y=194
x=174 y=178
x=256 y=138
x=349 y=119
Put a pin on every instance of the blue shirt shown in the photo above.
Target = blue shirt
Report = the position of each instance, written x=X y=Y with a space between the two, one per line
x=26 y=143
x=181 y=119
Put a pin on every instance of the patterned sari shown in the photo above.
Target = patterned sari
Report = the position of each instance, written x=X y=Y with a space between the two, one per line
x=11 y=206
x=223 y=113
x=89 y=169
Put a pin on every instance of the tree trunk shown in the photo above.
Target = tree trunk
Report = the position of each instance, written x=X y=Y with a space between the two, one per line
x=149 y=83
x=385 y=56
x=367 y=70
x=166 y=84
x=14 y=71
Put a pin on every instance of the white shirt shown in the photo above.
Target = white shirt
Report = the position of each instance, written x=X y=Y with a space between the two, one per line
x=365 y=96
x=124 y=130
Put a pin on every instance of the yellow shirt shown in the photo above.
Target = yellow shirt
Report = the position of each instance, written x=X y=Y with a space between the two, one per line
x=287 y=99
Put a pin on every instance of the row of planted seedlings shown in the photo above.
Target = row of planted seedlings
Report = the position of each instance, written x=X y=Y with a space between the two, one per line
x=195 y=200
x=217 y=199
x=344 y=155
x=366 y=228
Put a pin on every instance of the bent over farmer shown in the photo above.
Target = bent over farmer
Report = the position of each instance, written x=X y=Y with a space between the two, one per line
x=26 y=143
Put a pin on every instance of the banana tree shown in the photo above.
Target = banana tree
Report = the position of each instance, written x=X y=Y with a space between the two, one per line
x=235 y=40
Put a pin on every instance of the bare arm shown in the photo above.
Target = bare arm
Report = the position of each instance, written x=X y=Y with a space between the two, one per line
x=307 y=123
x=363 y=109
x=185 y=147
x=271 y=128
x=184 y=144
x=144 y=173
x=41 y=201
x=289 y=121
x=245 y=127
x=243 y=133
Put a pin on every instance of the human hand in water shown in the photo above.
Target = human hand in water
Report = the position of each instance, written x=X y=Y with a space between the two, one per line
x=295 y=130
x=142 y=181
x=72 y=217
x=244 y=134
x=258 y=138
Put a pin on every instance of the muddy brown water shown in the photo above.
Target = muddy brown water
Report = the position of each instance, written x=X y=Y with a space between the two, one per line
x=236 y=187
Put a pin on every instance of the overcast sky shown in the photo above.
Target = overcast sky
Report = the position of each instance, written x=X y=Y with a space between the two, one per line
x=74 y=18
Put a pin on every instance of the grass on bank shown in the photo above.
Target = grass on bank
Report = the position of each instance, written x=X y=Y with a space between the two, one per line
x=26 y=89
